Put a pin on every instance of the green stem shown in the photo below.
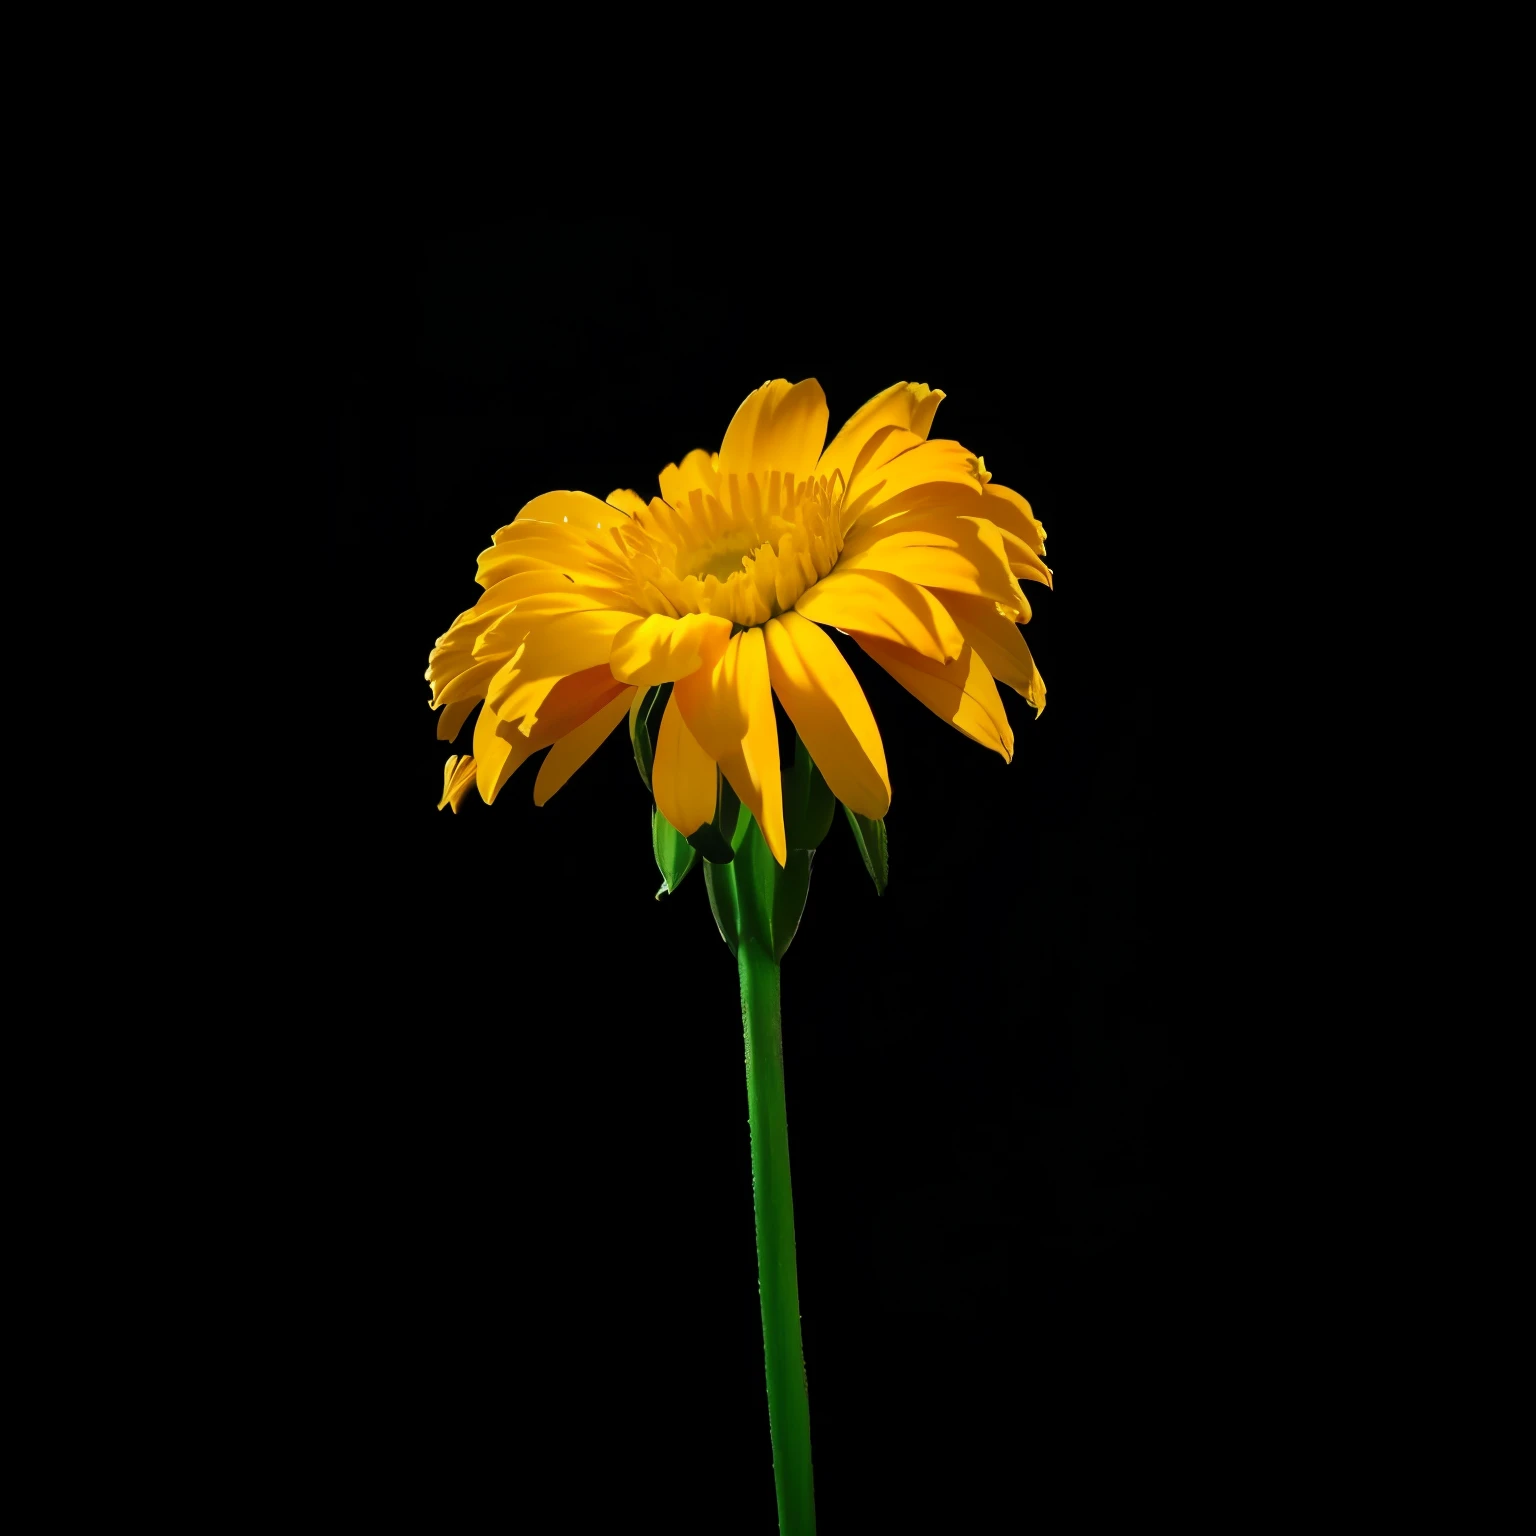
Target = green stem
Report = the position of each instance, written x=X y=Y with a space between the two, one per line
x=789 y=1409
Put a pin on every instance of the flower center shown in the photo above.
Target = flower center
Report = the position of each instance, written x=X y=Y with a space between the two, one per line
x=744 y=547
x=722 y=560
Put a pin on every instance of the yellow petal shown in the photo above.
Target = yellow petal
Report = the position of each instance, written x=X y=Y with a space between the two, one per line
x=582 y=552
x=925 y=404
x=939 y=461
x=458 y=775
x=510 y=627
x=451 y=720
x=464 y=645
x=935 y=503
x=822 y=697
x=568 y=509
x=627 y=502
x=780 y=426
x=1022 y=560
x=997 y=641
x=682 y=774
x=678 y=482
x=886 y=444
x=579 y=563
x=909 y=407
x=470 y=684
x=661 y=650
x=497 y=757
x=1013 y=515
x=568 y=704
x=555 y=648
x=729 y=708
x=575 y=747
x=957 y=554
x=960 y=691
x=865 y=602
x=533 y=582
x=460 y=639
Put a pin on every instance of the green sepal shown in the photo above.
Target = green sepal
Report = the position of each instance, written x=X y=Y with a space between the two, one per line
x=870 y=836
x=674 y=856
x=752 y=897
x=644 y=724
x=720 y=886
x=716 y=838
x=808 y=803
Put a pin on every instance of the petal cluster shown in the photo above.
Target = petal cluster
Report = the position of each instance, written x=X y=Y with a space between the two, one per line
x=721 y=586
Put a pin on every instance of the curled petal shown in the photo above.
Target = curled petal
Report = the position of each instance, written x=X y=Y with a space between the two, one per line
x=907 y=407
x=661 y=650
x=458 y=775
x=1023 y=561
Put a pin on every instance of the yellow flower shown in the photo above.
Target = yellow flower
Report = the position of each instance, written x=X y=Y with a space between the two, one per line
x=720 y=585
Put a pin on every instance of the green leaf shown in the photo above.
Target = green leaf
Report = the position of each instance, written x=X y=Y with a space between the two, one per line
x=716 y=838
x=674 y=856
x=870 y=836
x=644 y=724
x=808 y=803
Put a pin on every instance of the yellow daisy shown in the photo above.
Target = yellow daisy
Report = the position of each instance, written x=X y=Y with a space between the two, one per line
x=720 y=586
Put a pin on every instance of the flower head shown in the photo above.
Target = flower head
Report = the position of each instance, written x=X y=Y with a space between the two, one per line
x=720 y=587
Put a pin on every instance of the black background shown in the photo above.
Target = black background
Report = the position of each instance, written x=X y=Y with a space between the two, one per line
x=529 y=1216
